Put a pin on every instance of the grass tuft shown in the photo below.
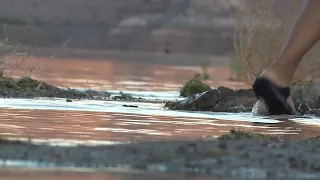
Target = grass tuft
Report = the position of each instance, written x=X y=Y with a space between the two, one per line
x=193 y=86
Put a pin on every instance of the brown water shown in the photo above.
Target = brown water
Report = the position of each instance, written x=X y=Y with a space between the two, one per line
x=62 y=125
x=101 y=124
x=118 y=75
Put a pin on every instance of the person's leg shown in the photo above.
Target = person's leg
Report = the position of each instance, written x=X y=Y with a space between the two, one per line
x=304 y=34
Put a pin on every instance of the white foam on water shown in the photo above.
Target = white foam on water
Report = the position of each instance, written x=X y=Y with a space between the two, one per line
x=147 y=109
x=168 y=95
x=117 y=107
x=312 y=120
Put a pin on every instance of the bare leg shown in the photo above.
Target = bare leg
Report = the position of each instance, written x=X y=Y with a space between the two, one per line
x=305 y=33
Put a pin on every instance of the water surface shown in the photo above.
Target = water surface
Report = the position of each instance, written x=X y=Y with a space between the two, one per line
x=88 y=122
x=109 y=121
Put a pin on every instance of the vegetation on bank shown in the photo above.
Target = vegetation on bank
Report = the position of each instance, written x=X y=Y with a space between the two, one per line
x=204 y=65
x=194 y=86
x=25 y=83
x=11 y=60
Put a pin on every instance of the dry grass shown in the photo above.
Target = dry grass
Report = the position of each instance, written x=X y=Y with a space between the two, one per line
x=11 y=60
x=260 y=33
x=9 y=57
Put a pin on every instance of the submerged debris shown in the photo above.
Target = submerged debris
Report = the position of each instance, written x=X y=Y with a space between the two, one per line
x=133 y=106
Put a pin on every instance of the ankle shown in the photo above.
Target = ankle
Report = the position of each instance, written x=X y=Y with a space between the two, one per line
x=285 y=74
x=277 y=77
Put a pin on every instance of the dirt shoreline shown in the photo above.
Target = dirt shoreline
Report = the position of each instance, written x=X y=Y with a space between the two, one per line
x=221 y=99
x=246 y=157
x=28 y=88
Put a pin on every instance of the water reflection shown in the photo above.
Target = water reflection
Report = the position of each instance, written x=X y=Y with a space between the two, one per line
x=293 y=130
x=109 y=74
x=103 y=127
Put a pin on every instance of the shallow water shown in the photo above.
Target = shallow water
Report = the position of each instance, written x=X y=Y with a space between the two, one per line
x=86 y=122
x=103 y=122
x=57 y=122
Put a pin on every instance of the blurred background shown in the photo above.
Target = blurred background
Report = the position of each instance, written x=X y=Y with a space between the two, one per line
x=140 y=45
x=151 y=45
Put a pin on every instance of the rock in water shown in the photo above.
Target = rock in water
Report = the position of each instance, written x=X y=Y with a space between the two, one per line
x=260 y=108
x=205 y=101
x=222 y=99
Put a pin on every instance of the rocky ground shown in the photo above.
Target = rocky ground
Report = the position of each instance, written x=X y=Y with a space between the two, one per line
x=237 y=154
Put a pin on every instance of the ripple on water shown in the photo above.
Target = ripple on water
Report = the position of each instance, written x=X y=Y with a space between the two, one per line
x=117 y=107
x=110 y=121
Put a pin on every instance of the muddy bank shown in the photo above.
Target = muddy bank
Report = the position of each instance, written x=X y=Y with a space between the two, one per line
x=223 y=99
x=29 y=88
x=238 y=154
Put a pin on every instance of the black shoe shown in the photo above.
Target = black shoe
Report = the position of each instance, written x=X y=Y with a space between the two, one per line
x=274 y=96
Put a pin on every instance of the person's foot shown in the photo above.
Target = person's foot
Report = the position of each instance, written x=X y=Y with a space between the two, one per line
x=275 y=79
